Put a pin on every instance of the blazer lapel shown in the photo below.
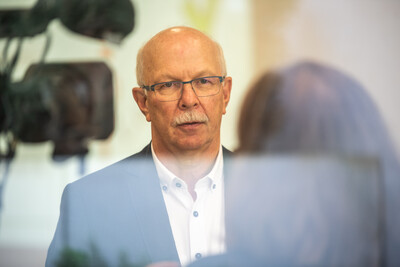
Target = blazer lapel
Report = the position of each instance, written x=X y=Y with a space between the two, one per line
x=148 y=203
x=227 y=155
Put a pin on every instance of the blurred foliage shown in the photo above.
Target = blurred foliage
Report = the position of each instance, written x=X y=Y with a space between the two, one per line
x=70 y=257
x=75 y=258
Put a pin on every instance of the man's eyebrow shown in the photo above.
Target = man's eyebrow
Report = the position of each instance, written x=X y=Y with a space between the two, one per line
x=171 y=78
x=167 y=78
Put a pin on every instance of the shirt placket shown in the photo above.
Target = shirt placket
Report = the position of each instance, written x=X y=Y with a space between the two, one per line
x=197 y=226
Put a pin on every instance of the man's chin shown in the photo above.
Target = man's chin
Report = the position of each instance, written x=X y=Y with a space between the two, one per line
x=191 y=144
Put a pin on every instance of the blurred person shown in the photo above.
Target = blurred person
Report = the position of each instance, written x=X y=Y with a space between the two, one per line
x=163 y=206
x=322 y=176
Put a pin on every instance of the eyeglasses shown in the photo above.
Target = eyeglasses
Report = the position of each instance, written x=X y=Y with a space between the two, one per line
x=170 y=91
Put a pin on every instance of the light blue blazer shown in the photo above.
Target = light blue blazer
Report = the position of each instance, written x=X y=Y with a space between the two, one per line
x=116 y=216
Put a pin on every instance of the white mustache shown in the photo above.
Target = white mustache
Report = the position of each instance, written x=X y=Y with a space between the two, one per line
x=188 y=117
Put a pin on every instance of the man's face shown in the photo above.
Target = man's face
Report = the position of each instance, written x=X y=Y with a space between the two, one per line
x=184 y=58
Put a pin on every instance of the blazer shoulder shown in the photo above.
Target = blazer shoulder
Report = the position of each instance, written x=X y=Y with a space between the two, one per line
x=145 y=153
x=130 y=166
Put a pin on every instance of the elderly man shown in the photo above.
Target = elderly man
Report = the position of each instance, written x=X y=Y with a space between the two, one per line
x=165 y=203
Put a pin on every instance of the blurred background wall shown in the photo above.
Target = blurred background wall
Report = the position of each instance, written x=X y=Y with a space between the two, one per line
x=358 y=36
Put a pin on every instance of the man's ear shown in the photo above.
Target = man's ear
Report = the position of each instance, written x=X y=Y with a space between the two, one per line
x=226 y=90
x=141 y=100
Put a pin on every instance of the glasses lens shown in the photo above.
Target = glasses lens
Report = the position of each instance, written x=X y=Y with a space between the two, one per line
x=168 y=90
x=206 y=86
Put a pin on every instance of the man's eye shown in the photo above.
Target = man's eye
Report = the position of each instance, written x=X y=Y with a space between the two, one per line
x=204 y=81
x=169 y=84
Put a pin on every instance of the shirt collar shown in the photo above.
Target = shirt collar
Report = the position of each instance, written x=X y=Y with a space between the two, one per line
x=212 y=179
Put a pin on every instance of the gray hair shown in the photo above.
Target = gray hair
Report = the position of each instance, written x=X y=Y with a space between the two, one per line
x=140 y=66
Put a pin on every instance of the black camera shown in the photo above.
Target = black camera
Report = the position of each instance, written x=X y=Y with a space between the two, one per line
x=66 y=103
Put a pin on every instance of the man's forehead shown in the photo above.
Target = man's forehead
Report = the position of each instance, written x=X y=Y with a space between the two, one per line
x=178 y=43
x=185 y=52
x=180 y=49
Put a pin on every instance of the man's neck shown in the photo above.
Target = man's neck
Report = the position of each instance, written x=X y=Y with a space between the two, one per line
x=190 y=165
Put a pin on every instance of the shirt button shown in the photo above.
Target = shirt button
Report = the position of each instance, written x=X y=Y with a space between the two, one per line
x=198 y=256
x=214 y=186
x=195 y=214
x=178 y=184
x=164 y=188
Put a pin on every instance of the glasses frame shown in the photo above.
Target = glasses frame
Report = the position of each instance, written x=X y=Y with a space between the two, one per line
x=151 y=87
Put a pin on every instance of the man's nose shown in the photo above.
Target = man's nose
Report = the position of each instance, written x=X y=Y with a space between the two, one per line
x=189 y=98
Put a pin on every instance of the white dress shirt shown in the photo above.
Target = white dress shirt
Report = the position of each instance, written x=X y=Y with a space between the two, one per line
x=198 y=226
